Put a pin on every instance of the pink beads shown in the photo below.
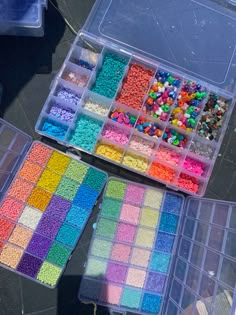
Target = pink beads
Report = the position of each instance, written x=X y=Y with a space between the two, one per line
x=194 y=166
x=115 y=134
x=142 y=145
x=170 y=156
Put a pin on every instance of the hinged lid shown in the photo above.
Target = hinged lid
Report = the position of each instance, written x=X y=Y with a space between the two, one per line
x=14 y=145
x=194 y=37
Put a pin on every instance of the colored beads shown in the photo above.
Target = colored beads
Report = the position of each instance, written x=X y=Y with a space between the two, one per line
x=58 y=162
x=149 y=128
x=123 y=117
x=5 y=228
x=39 y=246
x=160 y=262
x=20 y=236
x=202 y=149
x=29 y=265
x=49 y=180
x=39 y=199
x=115 y=134
x=188 y=182
x=109 y=75
x=189 y=105
x=11 y=208
x=76 y=171
x=84 y=64
x=175 y=138
x=168 y=155
x=139 y=77
x=20 y=189
x=69 y=96
x=86 y=132
x=212 y=117
x=109 y=151
x=141 y=145
x=136 y=162
x=35 y=171
x=96 y=107
x=194 y=166
x=162 y=172
x=115 y=189
x=58 y=254
x=39 y=153
x=49 y=274
x=79 y=79
x=30 y=217
x=54 y=129
x=161 y=95
x=62 y=113
x=10 y=255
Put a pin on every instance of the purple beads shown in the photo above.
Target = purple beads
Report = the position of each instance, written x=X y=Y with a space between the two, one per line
x=64 y=114
x=39 y=246
x=69 y=96
x=29 y=265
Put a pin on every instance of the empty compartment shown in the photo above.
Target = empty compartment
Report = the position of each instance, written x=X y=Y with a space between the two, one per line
x=176 y=138
x=4 y=181
x=230 y=244
x=85 y=132
x=232 y=220
x=202 y=148
x=83 y=57
x=109 y=150
x=206 y=210
x=115 y=132
x=176 y=291
x=20 y=143
x=216 y=238
x=76 y=75
x=162 y=171
x=149 y=127
x=51 y=128
x=142 y=144
x=202 y=231
x=136 y=84
x=8 y=161
x=96 y=103
x=68 y=92
x=191 y=184
x=189 y=103
x=188 y=299
x=181 y=269
x=228 y=272
x=169 y=154
x=185 y=248
x=211 y=263
x=123 y=115
x=192 y=280
x=223 y=302
x=197 y=166
x=110 y=72
x=192 y=208
x=207 y=286
x=220 y=214
x=196 y=257
x=189 y=228
x=7 y=135
x=162 y=95
x=138 y=162
x=212 y=117
x=60 y=110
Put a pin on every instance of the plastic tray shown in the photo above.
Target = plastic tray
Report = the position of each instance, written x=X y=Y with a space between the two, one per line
x=22 y=18
x=147 y=162
x=45 y=211
x=134 y=230
x=14 y=144
x=201 y=275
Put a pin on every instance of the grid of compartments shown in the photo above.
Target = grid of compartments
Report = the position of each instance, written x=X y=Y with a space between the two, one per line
x=13 y=146
x=137 y=115
x=205 y=273
x=45 y=211
x=132 y=247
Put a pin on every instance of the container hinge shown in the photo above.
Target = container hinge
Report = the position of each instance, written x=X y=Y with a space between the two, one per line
x=76 y=154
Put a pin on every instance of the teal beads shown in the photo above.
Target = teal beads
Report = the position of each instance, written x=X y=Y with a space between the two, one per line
x=109 y=75
x=86 y=132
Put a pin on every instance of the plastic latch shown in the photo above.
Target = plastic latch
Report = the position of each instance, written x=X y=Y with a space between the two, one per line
x=76 y=154
x=117 y=313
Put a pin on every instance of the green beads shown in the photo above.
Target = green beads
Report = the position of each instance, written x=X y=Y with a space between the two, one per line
x=58 y=254
x=115 y=189
x=109 y=75
x=49 y=274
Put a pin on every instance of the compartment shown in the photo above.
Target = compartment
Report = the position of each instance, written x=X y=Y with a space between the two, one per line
x=115 y=132
x=8 y=161
x=188 y=299
x=197 y=254
x=206 y=210
x=213 y=116
x=190 y=100
x=162 y=95
x=223 y=301
x=181 y=269
x=123 y=115
x=75 y=75
x=7 y=135
x=198 y=166
x=203 y=148
x=142 y=144
x=192 y=280
x=189 y=228
x=67 y=92
x=149 y=127
x=163 y=172
x=185 y=249
x=51 y=127
x=110 y=70
x=228 y=272
x=191 y=184
x=192 y=208
x=176 y=291
x=176 y=138
x=109 y=150
x=59 y=109
x=211 y=263
x=230 y=244
x=83 y=57
x=96 y=103
x=207 y=286
x=220 y=215
x=216 y=238
x=202 y=232
x=136 y=83
x=170 y=154
x=136 y=161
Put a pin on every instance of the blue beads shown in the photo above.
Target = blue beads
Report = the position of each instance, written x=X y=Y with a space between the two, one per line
x=160 y=262
x=85 y=197
x=68 y=235
x=54 y=129
x=151 y=303
x=168 y=222
x=164 y=242
x=172 y=203
x=77 y=216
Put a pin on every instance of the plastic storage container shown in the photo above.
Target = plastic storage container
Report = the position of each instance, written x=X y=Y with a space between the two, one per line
x=46 y=200
x=22 y=18
x=129 y=271
x=173 y=43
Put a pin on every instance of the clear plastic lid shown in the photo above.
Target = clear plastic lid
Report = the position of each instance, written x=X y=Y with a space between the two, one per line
x=24 y=13
x=194 y=37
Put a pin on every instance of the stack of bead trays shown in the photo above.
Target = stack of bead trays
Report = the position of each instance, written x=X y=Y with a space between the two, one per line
x=137 y=114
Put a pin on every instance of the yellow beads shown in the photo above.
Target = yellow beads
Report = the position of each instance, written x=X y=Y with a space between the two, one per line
x=58 y=162
x=109 y=151
x=49 y=181
x=136 y=162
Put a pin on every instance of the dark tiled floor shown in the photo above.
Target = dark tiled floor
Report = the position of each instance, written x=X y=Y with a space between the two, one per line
x=27 y=67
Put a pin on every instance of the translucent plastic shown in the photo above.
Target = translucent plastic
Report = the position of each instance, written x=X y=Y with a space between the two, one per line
x=14 y=144
x=22 y=18
x=150 y=152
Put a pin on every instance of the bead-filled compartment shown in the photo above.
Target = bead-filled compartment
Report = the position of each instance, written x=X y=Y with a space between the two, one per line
x=44 y=212
x=132 y=249
x=139 y=115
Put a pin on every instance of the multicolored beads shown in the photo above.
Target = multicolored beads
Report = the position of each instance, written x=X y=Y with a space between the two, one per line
x=175 y=138
x=123 y=117
x=149 y=128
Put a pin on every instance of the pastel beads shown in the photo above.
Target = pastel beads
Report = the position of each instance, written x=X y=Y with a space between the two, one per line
x=109 y=151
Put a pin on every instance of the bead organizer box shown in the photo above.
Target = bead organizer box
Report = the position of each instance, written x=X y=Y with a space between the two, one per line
x=205 y=275
x=132 y=247
x=45 y=211
x=137 y=114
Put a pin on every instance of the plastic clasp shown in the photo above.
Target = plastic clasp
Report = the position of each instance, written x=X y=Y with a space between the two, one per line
x=112 y=312
x=76 y=154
